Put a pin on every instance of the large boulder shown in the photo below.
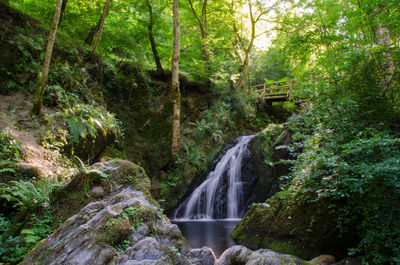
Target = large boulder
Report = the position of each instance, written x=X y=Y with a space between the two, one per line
x=90 y=148
x=288 y=225
x=120 y=224
x=95 y=183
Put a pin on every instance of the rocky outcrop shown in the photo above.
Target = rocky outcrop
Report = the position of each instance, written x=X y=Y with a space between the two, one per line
x=263 y=168
x=323 y=260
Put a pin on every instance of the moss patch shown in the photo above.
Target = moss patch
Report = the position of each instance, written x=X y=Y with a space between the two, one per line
x=119 y=228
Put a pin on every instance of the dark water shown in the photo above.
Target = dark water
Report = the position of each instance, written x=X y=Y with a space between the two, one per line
x=215 y=234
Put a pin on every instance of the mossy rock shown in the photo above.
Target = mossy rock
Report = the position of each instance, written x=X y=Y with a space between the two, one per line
x=288 y=226
x=95 y=183
x=90 y=148
x=107 y=154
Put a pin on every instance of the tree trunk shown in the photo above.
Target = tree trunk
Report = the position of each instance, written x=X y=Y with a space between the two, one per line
x=63 y=6
x=92 y=33
x=204 y=35
x=244 y=73
x=382 y=35
x=152 y=41
x=247 y=49
x=103 y=18
x=38 y=99
x=203 y=30
x=176 y=94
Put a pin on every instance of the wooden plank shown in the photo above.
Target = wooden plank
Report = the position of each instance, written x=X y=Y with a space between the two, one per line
x=276 y=95
x=273 y=88
x=275 y=82
x=284 y=81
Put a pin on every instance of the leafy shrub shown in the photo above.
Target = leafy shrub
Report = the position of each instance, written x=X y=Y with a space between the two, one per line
x=82 y=121
x=29 y=199
x=352 y=163
x=9 y=146
x=56 y=95
x=27 y=196
x=14 y=248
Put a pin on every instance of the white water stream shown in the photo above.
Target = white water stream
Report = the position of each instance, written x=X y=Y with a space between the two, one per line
x=201 y=203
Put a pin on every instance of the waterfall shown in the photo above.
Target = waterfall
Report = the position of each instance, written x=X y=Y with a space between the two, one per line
x=220 y=195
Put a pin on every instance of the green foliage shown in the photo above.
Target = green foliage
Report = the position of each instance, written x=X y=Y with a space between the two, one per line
x=269 y=138
x=32 y=217
x=14 y=248
x=27 y=196
x=10 y=152
x=84 y=120
x=352 y=162
x=9 y=146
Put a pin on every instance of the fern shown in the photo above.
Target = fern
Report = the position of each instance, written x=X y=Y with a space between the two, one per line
x=25 y=195
x=76 y=128
x=86 y=120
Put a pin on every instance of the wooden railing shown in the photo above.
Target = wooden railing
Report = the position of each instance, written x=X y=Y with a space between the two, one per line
x=278 y=90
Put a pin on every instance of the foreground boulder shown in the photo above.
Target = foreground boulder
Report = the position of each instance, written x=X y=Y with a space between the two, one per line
x=123 y=226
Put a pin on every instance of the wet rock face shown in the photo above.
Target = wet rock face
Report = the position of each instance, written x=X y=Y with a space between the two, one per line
x=263 y=180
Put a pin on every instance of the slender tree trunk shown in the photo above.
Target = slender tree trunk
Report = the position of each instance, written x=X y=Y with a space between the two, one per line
x=382 y=36
x=247 y=49
x=103 y=18
x=176 y=94
x=204 y=35
x=38 y=99
x=244 y=73
x=93 y=32
x=63 y=6
x=203 y=30
x=152 y=41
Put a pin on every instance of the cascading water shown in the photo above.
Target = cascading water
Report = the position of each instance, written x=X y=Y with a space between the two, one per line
x=220 y=195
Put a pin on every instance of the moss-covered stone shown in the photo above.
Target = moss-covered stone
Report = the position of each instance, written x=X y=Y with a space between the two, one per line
x=97 y=182
x=288 y=226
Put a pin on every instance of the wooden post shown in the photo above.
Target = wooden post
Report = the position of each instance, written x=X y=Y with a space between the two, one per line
x=290 y=88
x=265 y=87
x=271 y=90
